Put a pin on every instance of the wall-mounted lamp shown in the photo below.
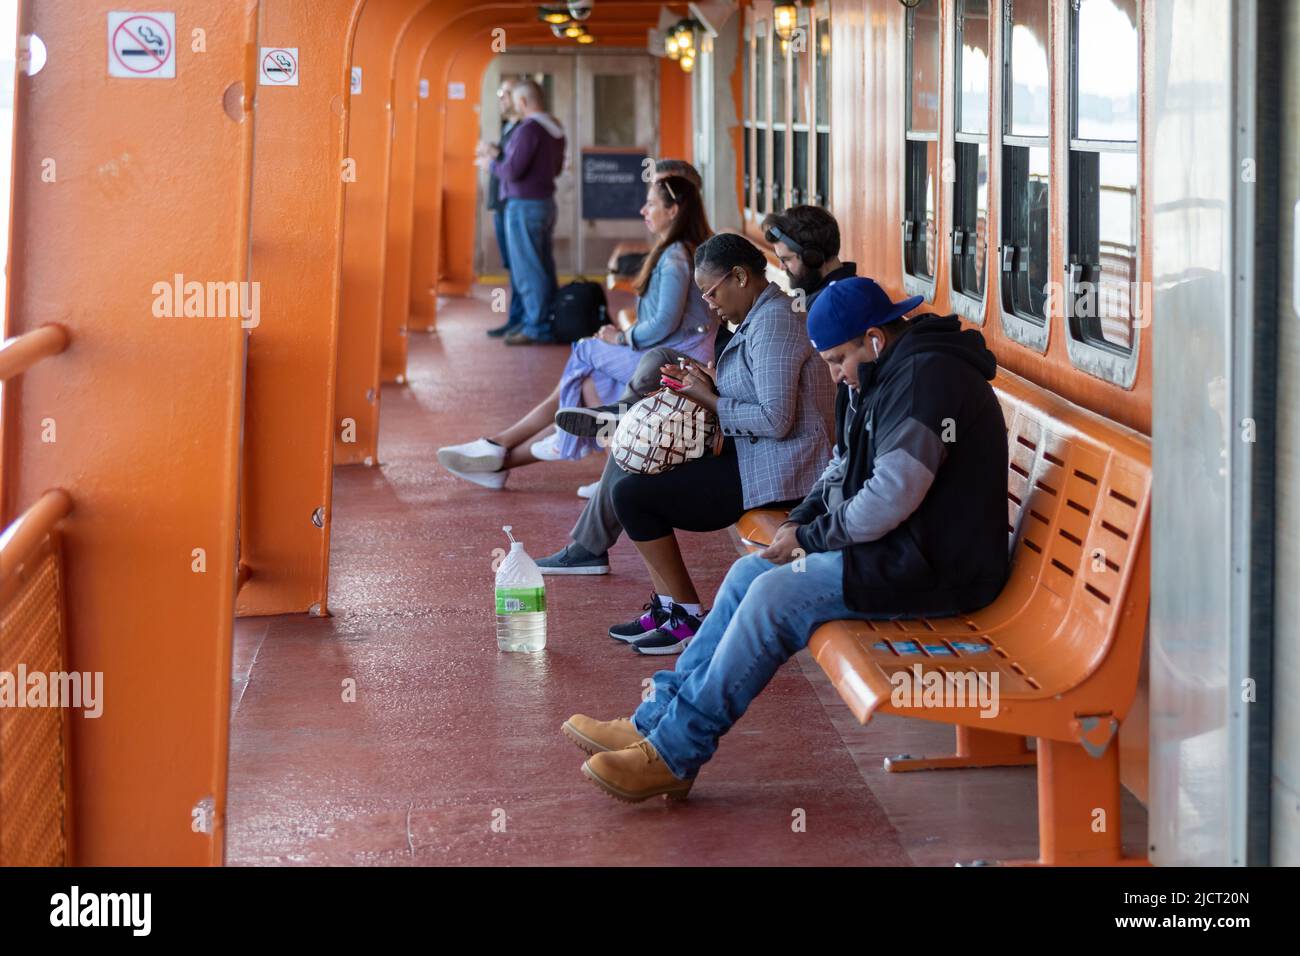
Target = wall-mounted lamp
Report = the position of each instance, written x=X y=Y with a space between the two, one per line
x=785 y=19
x=574 y=30
x=586 y=38
x=553 y=15
x=687 y=62
x=685 y=35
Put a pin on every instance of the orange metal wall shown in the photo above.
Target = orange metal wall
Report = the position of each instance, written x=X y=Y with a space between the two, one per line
x=297 y=243
x=145 y=409
x=867 y=136
x=676 y=137
x=411 y=47
x=370 y=133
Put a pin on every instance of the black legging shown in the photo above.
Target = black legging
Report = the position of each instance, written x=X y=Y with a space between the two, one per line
x=700 y=495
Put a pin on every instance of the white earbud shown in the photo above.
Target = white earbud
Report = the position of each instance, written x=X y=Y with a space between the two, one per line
x=876 y=346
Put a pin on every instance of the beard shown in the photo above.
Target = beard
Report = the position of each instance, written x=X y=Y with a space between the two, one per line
x=805 y=280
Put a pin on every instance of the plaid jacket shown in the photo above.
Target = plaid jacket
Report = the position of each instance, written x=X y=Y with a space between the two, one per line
x=778 y=401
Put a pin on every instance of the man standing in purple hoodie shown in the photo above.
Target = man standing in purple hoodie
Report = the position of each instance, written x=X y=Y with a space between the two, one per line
x=533 y=157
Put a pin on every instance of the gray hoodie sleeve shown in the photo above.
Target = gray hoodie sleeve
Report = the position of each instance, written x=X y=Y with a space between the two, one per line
x=907 y=460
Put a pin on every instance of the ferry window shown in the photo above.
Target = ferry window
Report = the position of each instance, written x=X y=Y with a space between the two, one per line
x=1026 y=164
x=780 y=54
x=970 y=195
x=614 y=100
x=760 y=116
x=748 y=114
x=922 y=154
x=1103 y=212
x=800 y=92
x=822 y=110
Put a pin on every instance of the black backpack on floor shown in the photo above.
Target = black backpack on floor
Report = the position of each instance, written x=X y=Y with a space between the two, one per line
x=579 y=309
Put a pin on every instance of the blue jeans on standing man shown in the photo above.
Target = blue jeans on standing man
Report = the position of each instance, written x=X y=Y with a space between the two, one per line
x=764 y=614
x=530 y=229
x=515 y=320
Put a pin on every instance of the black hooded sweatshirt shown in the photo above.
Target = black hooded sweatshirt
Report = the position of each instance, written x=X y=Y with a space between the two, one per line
x=916 y=493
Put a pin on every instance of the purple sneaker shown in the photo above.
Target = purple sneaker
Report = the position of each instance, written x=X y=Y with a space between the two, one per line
x=672 y=636
x=655 y=615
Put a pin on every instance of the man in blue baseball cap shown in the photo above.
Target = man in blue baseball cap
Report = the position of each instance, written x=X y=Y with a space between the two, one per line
x=907 y=520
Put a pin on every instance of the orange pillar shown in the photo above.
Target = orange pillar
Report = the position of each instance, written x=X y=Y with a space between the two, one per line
x=407 y=98
x=297 y=243
x=461 y=203
x=122 y=188
x=374 y=53
x=676 y=135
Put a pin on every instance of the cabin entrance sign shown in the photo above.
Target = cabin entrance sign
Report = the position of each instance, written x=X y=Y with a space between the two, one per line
x=142 y=46
x=279 y=66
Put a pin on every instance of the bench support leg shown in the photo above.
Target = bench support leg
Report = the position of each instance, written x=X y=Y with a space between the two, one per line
x=1078 y=807
x=975 y=748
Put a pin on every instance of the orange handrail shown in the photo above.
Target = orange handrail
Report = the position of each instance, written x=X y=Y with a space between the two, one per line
x=21 y=538
x=21 y=352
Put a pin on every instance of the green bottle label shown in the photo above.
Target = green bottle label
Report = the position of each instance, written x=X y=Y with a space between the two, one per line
x=520 y=600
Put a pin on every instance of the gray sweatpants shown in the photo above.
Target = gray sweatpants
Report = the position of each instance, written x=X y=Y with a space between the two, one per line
x=598 y=528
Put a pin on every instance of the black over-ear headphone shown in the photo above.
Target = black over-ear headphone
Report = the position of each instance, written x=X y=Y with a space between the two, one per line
x=810 y=256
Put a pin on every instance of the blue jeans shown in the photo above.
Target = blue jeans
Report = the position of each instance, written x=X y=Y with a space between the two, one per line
x=763 y=615
x=530 y=226
x=516 y=318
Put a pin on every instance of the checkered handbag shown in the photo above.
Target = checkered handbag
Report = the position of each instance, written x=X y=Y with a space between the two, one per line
x=661 y=432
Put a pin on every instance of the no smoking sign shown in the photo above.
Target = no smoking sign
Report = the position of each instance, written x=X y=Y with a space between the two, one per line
x=279 y=66
x=142 y=46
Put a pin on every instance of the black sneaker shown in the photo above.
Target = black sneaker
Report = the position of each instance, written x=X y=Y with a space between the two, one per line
x=574 y=559
x=672 y=636
x=587 y=422
x=503 y=330
x=655 y=614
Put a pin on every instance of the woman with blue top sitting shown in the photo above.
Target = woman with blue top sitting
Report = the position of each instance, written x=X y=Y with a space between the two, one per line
x=670 y=312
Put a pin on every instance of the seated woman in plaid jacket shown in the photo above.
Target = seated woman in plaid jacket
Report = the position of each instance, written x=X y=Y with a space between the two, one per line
x=774 y=400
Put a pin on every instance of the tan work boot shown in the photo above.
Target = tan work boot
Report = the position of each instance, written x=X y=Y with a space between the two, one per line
x=634 y=774
x=596 y=736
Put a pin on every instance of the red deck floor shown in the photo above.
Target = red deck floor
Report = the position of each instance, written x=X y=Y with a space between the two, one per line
x=452 y=754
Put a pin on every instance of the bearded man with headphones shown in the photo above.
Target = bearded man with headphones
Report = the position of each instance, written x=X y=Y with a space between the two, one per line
x=806 y=241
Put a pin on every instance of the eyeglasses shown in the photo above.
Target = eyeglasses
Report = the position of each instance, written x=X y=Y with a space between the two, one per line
x=708 y=296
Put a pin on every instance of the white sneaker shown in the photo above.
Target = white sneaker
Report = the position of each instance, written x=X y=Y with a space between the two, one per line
x=588 y=491
x=479 y=455
x=496 y=480
x=548 y=448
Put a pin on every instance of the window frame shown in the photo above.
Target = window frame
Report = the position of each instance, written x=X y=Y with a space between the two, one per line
x=821 y=125
x=969 y=307
x=1026 y=330
x=1088 y=353
x=800 y=68
x=913 y=283
x=762 y=117
x=748 y=106
x=779 y=124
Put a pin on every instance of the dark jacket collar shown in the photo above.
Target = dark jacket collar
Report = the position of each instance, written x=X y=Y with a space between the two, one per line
x=847 y=270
